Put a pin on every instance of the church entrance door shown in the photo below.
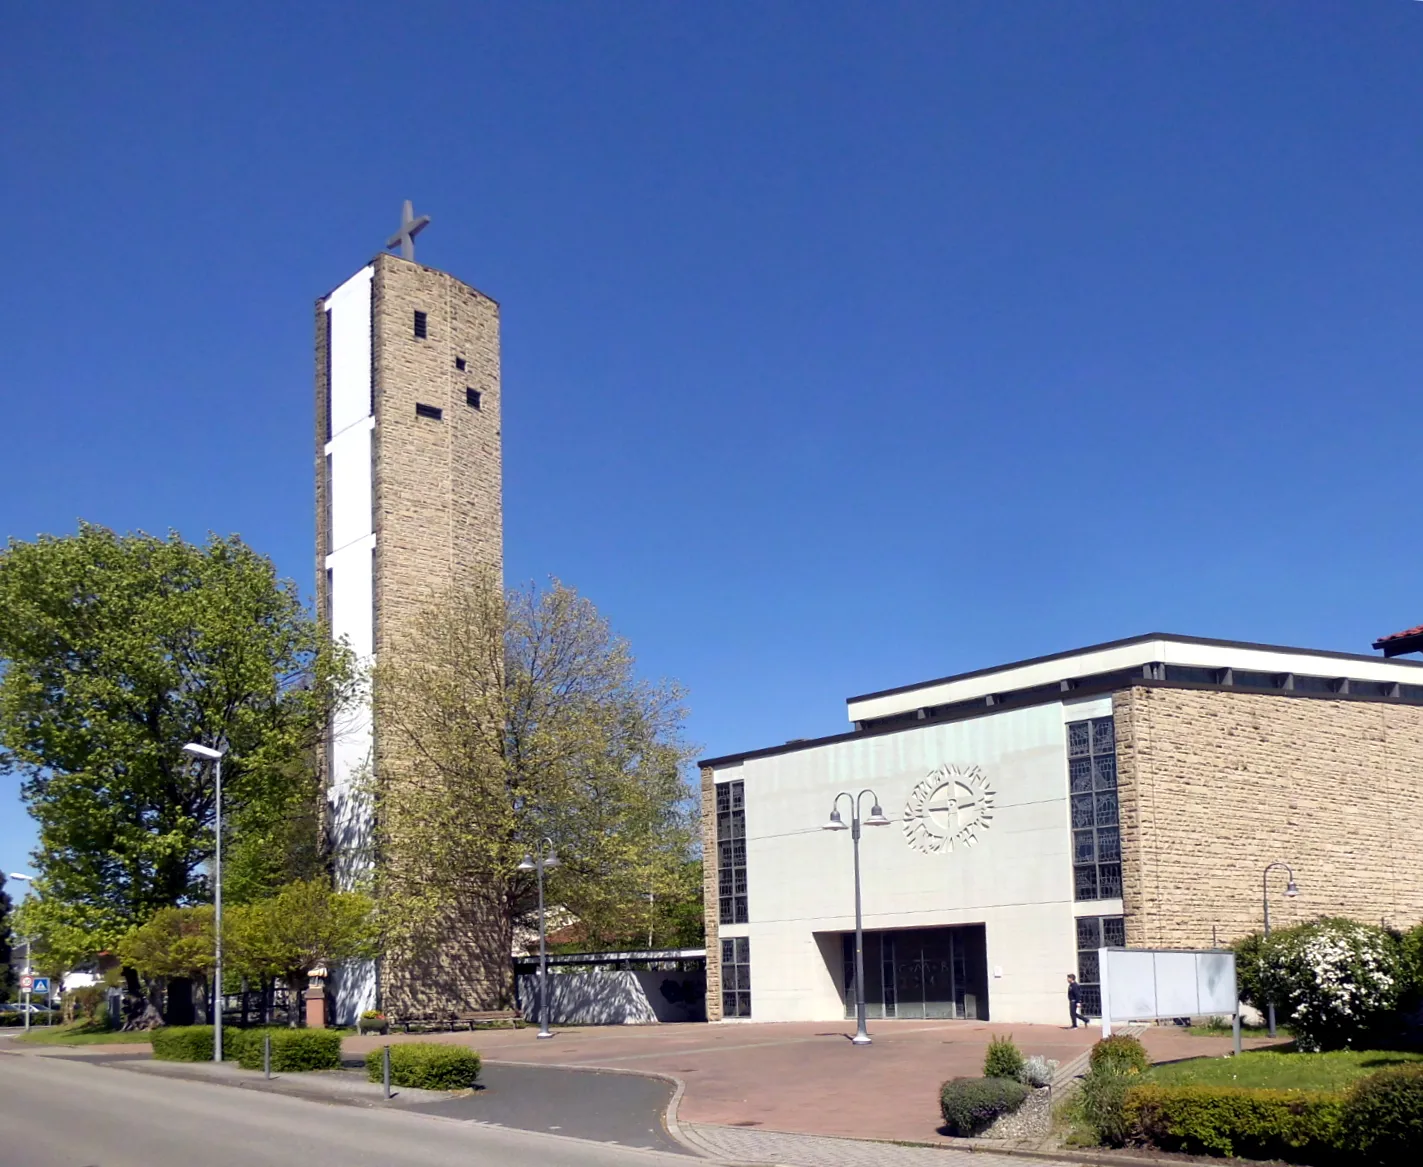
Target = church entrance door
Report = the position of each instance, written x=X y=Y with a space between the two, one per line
x=921 y=972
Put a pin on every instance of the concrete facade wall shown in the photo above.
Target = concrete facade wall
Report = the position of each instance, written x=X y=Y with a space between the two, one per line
x=1215 y=785
x=1015 y=879
x=616 y=997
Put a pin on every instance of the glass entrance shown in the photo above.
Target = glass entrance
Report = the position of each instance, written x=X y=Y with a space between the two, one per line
x=921 y=972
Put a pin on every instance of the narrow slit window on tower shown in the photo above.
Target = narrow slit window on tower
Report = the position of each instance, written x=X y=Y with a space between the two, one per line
x=472 y=397
x=421 y=329
x=433 y=412
x=459 y=364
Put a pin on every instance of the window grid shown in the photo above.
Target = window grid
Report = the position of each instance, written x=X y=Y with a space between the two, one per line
x=1094 y=932
x=731 y=851
x=1096 y=824
x=736 y=976
x=422 y=329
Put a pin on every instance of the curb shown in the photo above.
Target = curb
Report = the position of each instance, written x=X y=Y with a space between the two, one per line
x=669 y=1115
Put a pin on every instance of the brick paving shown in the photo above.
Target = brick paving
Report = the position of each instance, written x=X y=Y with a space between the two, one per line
x=773 y=1147
x=803 y=1077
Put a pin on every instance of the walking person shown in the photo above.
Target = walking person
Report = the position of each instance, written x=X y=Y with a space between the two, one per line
x=1074 y=1001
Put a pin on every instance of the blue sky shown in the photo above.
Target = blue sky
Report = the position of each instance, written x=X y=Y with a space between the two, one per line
x=845 y=345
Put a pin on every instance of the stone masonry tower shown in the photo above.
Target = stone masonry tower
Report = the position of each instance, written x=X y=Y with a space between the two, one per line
x=408 y=506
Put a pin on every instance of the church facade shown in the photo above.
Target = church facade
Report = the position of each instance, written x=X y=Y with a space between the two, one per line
x=408 y=505
x=1127 y=793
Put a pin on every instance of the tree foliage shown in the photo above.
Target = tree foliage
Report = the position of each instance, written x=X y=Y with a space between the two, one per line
x=516 y=717
x=304 y=925
x=173 y=942
x=118 y=649
x=7 y=974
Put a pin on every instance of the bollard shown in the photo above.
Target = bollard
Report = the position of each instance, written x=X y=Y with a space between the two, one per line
x=267 y=1055
x=385 y=1072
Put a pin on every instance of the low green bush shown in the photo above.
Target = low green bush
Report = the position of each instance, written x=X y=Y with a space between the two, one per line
x=1003 y=1060
x=293 y=1050
x=1383 y=1116
x=1300 y=1126
x=1121 y=1053
x=970 y=1105
x=190 y=1043
x=427 y=1065
x=1102 y=1104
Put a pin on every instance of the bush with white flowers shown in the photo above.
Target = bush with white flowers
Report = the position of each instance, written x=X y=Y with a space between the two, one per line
x=1337 y=979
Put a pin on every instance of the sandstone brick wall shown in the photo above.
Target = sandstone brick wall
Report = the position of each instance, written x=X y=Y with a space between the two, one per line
x=438 y=484
x=438 y=524
x=1215 y=785
x=711 y=896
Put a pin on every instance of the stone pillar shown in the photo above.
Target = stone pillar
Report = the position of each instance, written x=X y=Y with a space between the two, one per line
x=316 y=1006
x=711 y=893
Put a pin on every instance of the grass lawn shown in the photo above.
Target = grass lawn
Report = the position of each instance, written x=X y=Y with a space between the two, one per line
x=1280 y=1070
x=81 y=1033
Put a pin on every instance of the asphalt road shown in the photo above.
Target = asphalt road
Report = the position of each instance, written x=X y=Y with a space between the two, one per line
x=66 y=1112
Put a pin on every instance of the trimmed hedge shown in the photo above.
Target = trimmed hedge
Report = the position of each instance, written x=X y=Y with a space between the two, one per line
x=426 y=1065
x=1301 y=1126
x=293 y=1050
x=1121 y=1054
x=969 y=1105
x=190 y=1043
x=1003 y=1059
x=1383 y=1116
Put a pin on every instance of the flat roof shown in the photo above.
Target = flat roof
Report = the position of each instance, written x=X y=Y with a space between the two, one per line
x=1113 y=656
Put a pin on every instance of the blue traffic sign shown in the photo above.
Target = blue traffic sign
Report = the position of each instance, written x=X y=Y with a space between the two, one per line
x=40 y=986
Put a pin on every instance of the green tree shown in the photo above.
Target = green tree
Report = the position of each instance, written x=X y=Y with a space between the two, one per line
x=172 y=943
x=306 y=924
x=7 y=974
x=118 y=649
x=511 y=718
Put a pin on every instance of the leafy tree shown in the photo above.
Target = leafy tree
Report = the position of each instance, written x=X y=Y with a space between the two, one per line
x=118 y=649
x=7 y=974
x=304 y=925
x=510 y=718
x=173 y=942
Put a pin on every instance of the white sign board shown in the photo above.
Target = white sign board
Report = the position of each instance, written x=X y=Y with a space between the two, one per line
x=1146 y=984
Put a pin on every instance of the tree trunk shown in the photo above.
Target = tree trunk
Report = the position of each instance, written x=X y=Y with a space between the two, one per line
x=140 y=1004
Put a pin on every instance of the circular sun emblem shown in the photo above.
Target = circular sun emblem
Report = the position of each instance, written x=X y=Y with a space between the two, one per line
x=952 y=806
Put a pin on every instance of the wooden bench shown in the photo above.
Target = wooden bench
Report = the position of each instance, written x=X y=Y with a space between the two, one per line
x=453 y=1021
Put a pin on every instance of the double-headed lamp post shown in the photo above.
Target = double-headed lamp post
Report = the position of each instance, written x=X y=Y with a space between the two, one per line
x=29 y=882
x=538 y=863
x=208 y=754
x=836 y=823
x=1291 y=890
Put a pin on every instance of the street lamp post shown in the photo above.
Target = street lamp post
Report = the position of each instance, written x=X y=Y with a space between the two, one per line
x=208 y=754
x=1291 y=890
x=537 y=863
x=836 y=823
x=28 y=881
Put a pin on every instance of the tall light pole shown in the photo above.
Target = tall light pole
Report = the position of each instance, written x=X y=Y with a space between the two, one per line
x=29 y=882
x=876 y=819
x=208 y=754
x=1291 y=890
x=538 y=863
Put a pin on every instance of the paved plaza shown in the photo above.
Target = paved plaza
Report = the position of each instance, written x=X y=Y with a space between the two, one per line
x=803 y=1077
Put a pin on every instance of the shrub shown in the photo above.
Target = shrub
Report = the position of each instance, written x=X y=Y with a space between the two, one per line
x=1248 y=966
x=1003 y=1060
x=191 y=1043
x=1038 y=1071
x=427 y=1065
x=1120 y=1053
x=1298 y=1125
x=293 y=1050
x=969 y=1105
x=1383 y=1116
x=1336 y=978
x=1103 y=1104
x=87 y=1003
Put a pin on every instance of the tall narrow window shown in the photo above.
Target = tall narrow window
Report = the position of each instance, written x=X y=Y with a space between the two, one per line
x=1094 y=932
x=330 y=508
x=736 y=976
x=421 y=326
x=330 y=579
x=1096 y=829
x=731 y=851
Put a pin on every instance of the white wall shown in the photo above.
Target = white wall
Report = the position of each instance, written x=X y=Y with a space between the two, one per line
x=352 y=583
x=616 y=997
x=1016 y=879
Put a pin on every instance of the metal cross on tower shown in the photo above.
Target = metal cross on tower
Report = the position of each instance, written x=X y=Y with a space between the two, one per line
x=410 y=227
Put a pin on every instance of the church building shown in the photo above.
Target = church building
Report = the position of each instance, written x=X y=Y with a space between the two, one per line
x=408 y=506
x=1017 y=818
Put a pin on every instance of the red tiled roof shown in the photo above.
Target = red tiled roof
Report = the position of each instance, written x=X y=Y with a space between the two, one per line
x=1404 y=635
